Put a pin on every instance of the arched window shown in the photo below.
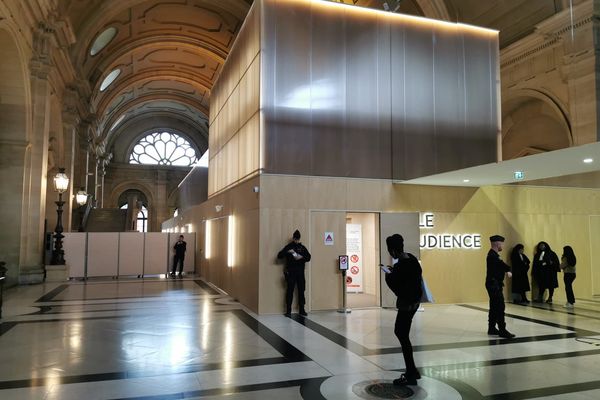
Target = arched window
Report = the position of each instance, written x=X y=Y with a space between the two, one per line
x=142 y=219
x=163 y=148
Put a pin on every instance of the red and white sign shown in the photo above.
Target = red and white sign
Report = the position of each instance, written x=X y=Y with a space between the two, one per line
x=354 y=250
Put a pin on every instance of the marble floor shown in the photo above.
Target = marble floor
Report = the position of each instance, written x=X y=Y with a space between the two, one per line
x=183 y=339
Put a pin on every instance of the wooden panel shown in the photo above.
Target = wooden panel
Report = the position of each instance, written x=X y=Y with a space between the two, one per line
x=103 y=254
x=325 y=289
x=595 y=256
x=131 y=253
x=407 y=225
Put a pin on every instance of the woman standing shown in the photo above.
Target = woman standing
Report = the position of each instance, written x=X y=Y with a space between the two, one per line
x=567 y=264
x=520 y=267
x=544 y=271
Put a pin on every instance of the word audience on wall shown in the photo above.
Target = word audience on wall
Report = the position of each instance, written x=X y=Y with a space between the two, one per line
x=445 y=241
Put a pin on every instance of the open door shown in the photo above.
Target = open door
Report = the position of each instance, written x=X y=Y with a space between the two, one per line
x=407 y=225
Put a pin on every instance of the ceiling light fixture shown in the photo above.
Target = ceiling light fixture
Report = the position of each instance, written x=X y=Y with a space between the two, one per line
x=466 y=180
x=588 y=160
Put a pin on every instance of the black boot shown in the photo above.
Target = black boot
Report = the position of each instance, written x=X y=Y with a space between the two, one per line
x=503 y=333
x=492 y=329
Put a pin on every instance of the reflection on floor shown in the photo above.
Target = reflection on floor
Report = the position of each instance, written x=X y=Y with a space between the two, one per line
x=362 y=300
x=174 y=339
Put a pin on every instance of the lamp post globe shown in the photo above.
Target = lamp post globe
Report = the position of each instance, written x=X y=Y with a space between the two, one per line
x=61 y=184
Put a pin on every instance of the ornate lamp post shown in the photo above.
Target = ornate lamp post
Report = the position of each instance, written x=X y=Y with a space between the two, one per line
x=61 y=183
x=81 y=199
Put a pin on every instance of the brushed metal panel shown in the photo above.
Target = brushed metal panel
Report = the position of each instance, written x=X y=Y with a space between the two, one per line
x=479 y=90
x=419 y=105
x=449 y=113
x=289 y=142
x=366 y=146
x=327 y=91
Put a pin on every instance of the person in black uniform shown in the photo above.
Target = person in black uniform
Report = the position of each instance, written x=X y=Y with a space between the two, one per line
x=494 y=282
x=296 y=255
x=179 y=256
x=405 y=280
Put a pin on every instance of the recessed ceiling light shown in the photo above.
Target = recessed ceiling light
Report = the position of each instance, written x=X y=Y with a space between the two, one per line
x=466 y=180
x=588 y=160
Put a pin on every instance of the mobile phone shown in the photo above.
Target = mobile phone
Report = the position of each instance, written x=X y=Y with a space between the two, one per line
x=385 y=268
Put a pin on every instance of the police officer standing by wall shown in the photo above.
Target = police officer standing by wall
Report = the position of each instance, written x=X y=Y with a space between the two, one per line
x=494 y=282
x=296 y=255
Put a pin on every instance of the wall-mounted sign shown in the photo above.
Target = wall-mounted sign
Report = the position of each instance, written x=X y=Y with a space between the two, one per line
x=343 y=260
x=354 y=250
x=519 y=175
x=445 y=241
x=328 y=239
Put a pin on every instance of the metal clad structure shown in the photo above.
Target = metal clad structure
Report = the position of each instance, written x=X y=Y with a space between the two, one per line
x=353 y=92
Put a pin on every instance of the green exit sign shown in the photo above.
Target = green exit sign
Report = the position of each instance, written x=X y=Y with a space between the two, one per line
x=519 y=175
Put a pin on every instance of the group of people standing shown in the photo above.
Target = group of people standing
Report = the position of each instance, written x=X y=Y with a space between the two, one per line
x=544 y=272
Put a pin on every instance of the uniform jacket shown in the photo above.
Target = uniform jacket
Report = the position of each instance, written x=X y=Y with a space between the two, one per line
x=180 y=248
x=496 y=268
x=290 y=262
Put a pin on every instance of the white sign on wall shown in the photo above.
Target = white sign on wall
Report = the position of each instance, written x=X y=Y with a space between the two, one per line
x=446 y=241
x=328 y=239
x=354 y=276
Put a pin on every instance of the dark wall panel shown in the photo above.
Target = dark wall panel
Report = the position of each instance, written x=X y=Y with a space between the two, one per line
x=358 y=93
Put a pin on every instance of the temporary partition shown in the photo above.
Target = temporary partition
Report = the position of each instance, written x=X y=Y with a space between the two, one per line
x=75 y=246
x=103 y=254
x=131 y=245
x=115 y=254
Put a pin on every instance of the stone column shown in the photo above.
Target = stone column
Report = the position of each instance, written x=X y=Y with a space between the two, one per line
x=69 y=121
x=36 y=163
x=12 y=166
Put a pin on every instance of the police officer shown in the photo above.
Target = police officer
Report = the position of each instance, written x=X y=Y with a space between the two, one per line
x=179 y=248
x=494 y=282
x=296 y=255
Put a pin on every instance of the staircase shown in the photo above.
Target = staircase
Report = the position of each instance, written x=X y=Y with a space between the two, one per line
x=106 y=220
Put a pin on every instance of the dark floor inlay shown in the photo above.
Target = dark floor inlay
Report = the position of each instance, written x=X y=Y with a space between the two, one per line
x=52 y=294
x=381 y=390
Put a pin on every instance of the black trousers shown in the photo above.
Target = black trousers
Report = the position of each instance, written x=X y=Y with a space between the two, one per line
x=569 y=278
x=177 y=260
x=402 y=330
x=496 y=313
x=293 y=278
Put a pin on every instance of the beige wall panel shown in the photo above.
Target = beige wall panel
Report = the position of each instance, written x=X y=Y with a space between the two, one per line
x=103 y=253
x=594 y=265
x=327 y=193
x=276 y=228
x=131 y=250
x=282 y=191
x=74 y=245
x=325 y=289
x=369 y=194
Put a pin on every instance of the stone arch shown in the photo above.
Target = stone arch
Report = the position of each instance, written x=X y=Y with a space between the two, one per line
x=15 y=131
x=122 y=187
x=533 y=122
x=177 y=132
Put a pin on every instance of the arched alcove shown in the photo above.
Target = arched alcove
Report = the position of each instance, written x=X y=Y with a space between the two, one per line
x=533 y=122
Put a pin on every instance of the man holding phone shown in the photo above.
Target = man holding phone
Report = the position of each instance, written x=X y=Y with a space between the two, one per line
x=296 y=255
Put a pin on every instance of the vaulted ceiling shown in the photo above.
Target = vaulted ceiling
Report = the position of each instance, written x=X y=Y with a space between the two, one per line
x=165 y=55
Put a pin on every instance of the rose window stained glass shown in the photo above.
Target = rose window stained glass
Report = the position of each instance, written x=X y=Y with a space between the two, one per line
x=163 y=149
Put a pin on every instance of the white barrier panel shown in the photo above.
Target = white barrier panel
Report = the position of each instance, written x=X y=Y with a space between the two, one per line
x=189 y=261
x=74 y=247
x=131 y=249
x=156 y=253
x=103 y=254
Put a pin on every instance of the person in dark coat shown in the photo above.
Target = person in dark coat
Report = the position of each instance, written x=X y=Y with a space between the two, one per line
x=179 y=248
x=405 y=280
x=296 y=255
x=520 y=267
x=494 y=282
x=545 y=270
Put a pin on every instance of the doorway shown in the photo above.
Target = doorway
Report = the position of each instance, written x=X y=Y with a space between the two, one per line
x=362 y=248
